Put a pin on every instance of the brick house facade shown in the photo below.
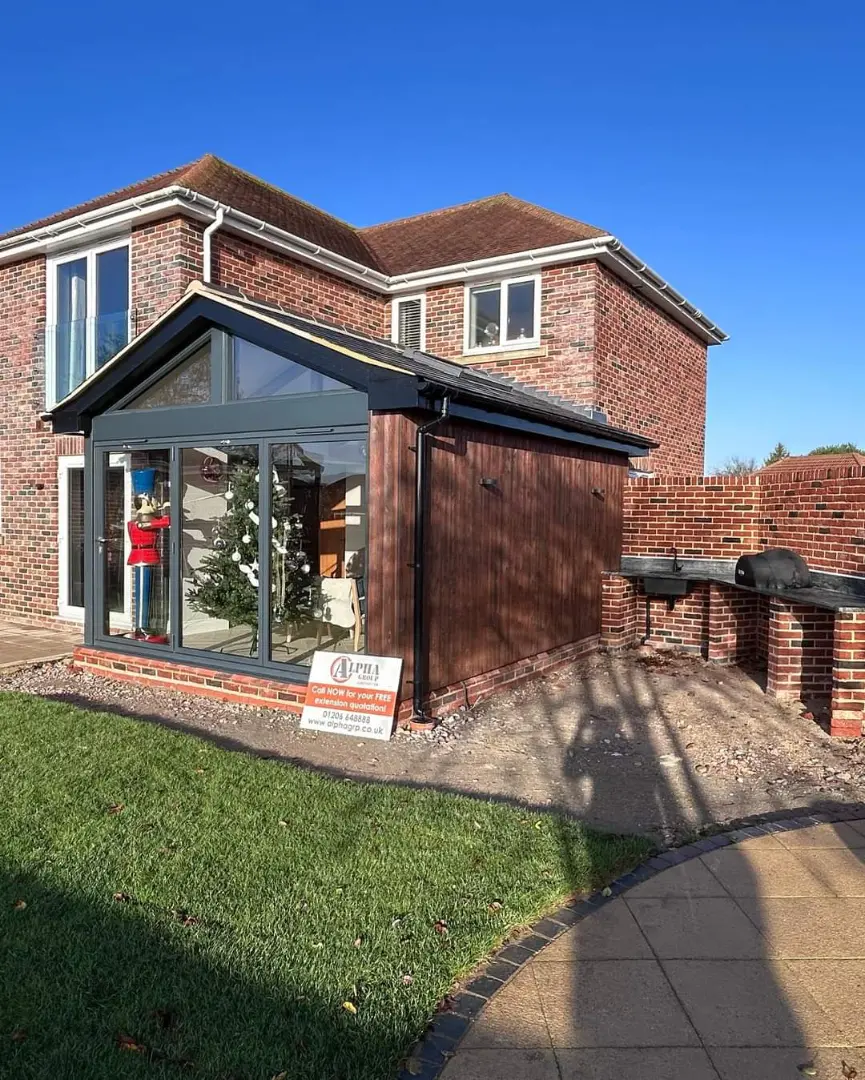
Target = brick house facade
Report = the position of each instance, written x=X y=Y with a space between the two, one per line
x=605 y=337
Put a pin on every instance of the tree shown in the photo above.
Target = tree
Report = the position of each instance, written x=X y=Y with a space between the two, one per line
x=737 y=466
x=226 y=584
x=778 y=454
x=837 y=448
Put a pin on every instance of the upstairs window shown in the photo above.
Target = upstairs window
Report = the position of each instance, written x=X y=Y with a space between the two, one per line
x=88 y=315
x=409 y=319
x=503 y=315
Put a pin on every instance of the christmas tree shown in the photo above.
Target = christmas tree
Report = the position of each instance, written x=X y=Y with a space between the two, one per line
x=226 y=583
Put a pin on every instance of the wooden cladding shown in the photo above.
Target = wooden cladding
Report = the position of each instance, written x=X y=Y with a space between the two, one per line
x=513 y=565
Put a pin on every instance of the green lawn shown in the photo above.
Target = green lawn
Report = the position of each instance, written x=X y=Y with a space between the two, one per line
x=238 y=918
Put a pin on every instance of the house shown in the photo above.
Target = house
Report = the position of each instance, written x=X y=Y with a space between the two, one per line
x=297 y=487
x=498 y=285
x=805 y=462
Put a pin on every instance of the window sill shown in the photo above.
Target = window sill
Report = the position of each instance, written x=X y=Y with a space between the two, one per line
x=509 y=353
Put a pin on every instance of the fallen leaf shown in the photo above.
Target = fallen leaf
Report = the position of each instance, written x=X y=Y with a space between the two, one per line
x=537 y=824
x=848 y=1072
x=318 y=945
x=19 y=1035
x=350 y=1007
x=184 y=918
x=414 y=1067
x=808 y=1069
x=199 y=771
x=19 y=905
x=279 y=1076
x=606 y=891
x=358 y=941
x=441 y=927
x=121 y=897
x=494 y=905
x=126 y=1042
x=116 y=808
x=445 y=1005
x=284 y=824
x=407 y=980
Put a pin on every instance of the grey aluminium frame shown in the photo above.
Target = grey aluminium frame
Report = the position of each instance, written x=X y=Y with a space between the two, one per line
x=175 y=651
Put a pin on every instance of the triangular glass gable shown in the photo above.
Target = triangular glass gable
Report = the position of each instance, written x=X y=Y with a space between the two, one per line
x=186 y=384
x=259 y=373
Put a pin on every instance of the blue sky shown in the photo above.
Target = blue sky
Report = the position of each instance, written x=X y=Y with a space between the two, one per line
x=721 y=142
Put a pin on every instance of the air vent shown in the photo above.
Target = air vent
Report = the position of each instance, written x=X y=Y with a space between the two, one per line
x=408 y=322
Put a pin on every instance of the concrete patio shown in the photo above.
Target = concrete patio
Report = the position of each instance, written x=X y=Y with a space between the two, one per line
x=22 y=645
x=743 y=964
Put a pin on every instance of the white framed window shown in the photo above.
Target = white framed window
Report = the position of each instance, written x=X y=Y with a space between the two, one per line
x=503 y=315
x=70 y=535
x=88 y=314
x=408 y=321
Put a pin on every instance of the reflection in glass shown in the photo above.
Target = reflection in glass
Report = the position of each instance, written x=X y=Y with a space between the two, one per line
x=320 y=539
x=70 y=333
x=186 y=384
x=112 y=303
x=521 y=311
x=259 y=373
x=485 y=317
x=147 y=526
x=220 y=549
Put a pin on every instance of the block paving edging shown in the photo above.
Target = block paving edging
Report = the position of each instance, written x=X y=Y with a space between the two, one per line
x=439 y=1043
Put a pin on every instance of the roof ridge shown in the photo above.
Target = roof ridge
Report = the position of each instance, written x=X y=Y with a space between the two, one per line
x=436 y=213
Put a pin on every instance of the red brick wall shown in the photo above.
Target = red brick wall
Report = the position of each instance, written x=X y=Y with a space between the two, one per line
x=266 y=275
x=604 y=345
x=165 y=258
x=704 y=517
x=819 y=513
x=735 y=624
x=800 y=650
x=848 y=687
x=650 y=376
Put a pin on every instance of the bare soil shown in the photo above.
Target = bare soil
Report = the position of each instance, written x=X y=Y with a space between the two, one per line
x=661 y=744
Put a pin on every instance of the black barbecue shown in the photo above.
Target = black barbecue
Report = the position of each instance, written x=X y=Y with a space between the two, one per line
x=775 y=569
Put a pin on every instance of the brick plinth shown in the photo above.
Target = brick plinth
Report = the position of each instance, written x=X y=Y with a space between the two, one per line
x=848 y=674
x=734 y=624
x=470 y=691
x=800 y=650
x=205 y=682
x=618 y=612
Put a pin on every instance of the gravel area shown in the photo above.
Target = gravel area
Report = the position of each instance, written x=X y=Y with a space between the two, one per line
x=655 y=743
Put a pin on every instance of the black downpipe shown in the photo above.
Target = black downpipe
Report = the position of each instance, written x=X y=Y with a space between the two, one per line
x=420 y=502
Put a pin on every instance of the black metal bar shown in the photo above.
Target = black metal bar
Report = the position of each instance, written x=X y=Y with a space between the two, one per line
x=420 y=500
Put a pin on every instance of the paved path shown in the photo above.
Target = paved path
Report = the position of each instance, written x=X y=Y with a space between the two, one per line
x=21 y=645
x=747 y=963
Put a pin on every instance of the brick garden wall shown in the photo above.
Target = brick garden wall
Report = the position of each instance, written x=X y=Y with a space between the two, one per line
x=820 y=513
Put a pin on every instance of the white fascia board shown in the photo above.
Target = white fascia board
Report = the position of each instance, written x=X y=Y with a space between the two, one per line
x=105 y=221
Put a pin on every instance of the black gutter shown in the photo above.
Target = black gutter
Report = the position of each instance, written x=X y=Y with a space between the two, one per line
x=419 y=718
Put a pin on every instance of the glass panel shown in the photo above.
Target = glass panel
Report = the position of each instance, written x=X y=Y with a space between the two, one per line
x=186 y=384
x=220 y=549
x=318 y=551
x=112 y=303
x=115 y=572
x=147 y=527
x=521 y=311
x=485 y=317
x=70 y=333
x=259 y=373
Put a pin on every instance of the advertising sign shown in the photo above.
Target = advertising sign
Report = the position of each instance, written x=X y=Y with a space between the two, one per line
x=352 y=695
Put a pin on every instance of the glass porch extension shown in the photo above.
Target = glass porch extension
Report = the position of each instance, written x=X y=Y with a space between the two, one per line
x=245 y=531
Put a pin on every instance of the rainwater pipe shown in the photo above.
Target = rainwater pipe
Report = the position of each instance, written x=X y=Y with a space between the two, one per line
x=206 y=250
x=419 y=719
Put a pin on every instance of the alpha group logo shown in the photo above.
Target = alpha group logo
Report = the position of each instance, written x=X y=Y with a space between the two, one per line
x=345 y=668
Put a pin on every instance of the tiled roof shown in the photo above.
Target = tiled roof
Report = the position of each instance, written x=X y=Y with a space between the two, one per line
x=814 y=461
x=216 y=179
x=498 y=225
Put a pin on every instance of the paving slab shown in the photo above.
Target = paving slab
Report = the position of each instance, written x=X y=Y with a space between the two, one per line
x=502 y=1065
x=784 y=1063
x=763 y=873
x=841 y=871
x=802 y=929
x=611 y=934
x=611 y=1003
x=836 y=835
x=687 y=879
x=22 y=645
x=513 y=1018
x=647 y=1063
x=697 y=928
x=750 y=1003
x=838 y=986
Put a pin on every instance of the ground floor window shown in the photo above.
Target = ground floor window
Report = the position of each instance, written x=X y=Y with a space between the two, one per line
x=253 y=549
